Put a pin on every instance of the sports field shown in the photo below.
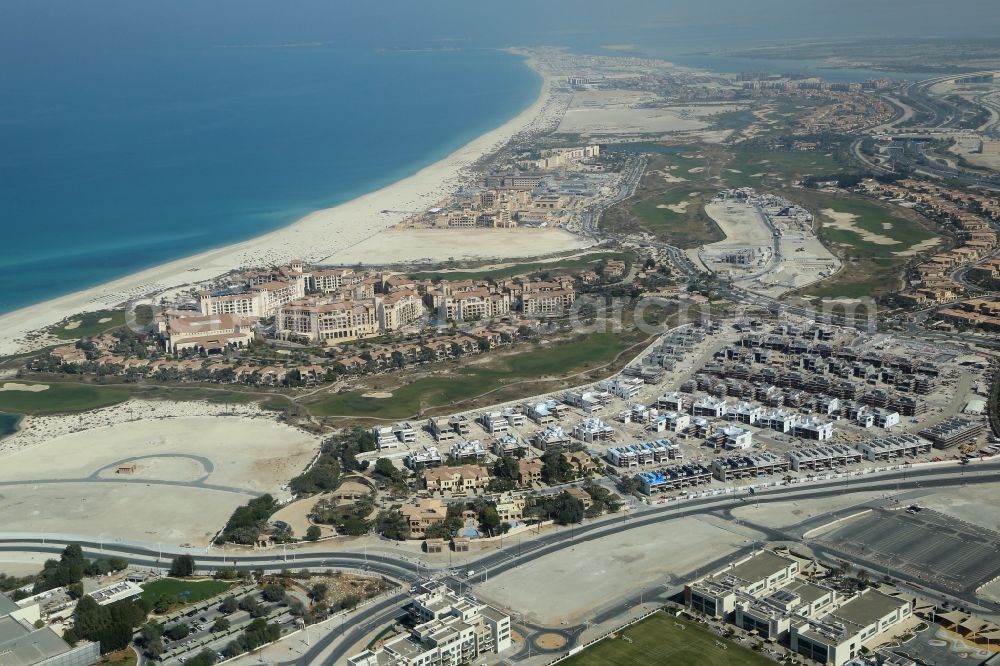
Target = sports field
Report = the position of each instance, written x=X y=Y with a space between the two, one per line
x=663 y=640
x=188 y=591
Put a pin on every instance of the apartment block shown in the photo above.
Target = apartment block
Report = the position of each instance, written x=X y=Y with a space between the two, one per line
x=448 y=630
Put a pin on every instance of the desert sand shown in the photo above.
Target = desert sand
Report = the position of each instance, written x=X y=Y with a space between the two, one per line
x=314 y=238
x=436 y=245
x=193 y=467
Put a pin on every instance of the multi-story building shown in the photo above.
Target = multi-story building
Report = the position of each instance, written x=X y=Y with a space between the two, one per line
x=755 y=575
x=332 y=280
x=839 y=635
x=315 y=320
x=448 y=630
x=398 y=309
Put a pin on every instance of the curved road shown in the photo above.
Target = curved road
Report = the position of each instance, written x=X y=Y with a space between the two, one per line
x=412 y=571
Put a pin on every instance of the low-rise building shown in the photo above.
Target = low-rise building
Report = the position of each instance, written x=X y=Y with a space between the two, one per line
x=423 y=514
x=748 y=466
x=815 y=458
x=676 y=477
x=952 y=432
x=427 y=456
x=593 y=430
x=461 y=479
x=893 y=447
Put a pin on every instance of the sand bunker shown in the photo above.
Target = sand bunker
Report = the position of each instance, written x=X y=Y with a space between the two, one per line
x=104 y=320
x=670 y=178
x=734 y=171
x=377 y=394
x=696 y=170
x=73 y=324
x=30 y=388
x=918 y=248
x=677 y=207
x=845 y=222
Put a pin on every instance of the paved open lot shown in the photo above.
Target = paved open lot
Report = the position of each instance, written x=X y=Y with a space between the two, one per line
x=574 y=584
x=929 y=545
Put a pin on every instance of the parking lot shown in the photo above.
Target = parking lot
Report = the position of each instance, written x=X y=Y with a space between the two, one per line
x=926 y=544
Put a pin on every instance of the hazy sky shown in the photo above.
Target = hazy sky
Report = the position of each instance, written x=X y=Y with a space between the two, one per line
x=401 y=23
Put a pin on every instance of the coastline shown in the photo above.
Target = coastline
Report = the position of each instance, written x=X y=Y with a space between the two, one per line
x=319 y=236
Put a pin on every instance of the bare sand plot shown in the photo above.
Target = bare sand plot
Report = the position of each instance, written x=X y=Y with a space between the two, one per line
x=255 y=455
x=176 y=515
x=175 y=479
x=436 y=245
x=573 y=583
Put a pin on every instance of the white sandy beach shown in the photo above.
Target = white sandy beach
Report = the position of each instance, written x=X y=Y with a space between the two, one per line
x=331 y=232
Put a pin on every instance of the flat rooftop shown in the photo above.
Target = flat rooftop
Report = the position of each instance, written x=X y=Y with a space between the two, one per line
x=757 y=567
x=866 y=608
x=20 y=646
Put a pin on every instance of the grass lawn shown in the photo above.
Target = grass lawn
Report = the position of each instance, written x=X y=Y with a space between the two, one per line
x=188 y=591
x=575 y=263
x=90 y=324
x=663 y=640
x=61 y=398
x=467 y=381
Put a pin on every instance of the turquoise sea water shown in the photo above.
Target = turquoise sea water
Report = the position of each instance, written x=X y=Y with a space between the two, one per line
x=132 y=133
x=114 y=161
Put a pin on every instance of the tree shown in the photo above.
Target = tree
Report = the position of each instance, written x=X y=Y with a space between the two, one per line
x=555 y=468
x=204 y=658
x=178 y=631
x=229 y=605
x=182 y=566
x=249 y=604
x=318 y=592
x=385 y=469
x=221 y=624
x=313 y=533
x=274 y=593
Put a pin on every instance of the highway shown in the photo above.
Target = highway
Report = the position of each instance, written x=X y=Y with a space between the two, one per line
x=515 y=554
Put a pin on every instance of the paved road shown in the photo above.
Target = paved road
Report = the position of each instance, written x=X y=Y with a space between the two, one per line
x=399 y=568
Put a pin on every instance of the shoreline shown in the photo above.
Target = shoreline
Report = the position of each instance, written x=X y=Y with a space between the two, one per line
x=319 y=236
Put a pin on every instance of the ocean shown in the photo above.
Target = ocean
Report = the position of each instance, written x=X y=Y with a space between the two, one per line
x=115 y=161
x=136 y=133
